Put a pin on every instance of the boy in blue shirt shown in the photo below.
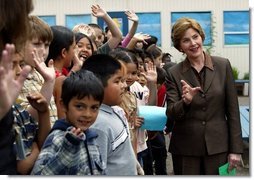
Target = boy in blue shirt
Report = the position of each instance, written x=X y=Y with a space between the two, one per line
x=113 y=134
x=70 y=148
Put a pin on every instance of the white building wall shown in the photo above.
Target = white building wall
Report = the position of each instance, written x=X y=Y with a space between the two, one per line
x=238 y=55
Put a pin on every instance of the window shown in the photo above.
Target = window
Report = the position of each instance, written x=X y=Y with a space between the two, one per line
x=72 y=20
x=150 y=23
x=50 y=20
x=119 y=18
x=203 y=18
x=236 y=27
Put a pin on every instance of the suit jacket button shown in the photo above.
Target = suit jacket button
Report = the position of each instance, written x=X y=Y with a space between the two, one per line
x=203 y=122
x=202 y=95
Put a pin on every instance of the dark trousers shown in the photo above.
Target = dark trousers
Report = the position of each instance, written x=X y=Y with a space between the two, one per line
x=156 y=153
x=194 y=165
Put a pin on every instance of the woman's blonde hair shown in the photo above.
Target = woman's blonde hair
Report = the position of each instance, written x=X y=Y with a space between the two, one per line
x=181 y=26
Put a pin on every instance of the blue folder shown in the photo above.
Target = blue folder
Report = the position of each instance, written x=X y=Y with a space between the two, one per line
x=154 y=117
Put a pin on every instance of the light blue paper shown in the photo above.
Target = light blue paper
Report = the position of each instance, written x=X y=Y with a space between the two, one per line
x=154 y=117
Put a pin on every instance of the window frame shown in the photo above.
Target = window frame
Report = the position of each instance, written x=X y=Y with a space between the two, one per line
x=236 y=32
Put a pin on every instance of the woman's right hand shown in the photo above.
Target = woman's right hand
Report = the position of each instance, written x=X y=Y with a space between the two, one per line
x=188 y=92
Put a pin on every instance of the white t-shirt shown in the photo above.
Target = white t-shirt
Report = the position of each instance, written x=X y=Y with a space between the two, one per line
x=142 y=95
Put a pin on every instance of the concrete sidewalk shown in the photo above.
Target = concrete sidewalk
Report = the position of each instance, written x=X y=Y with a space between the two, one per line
x=244 y=100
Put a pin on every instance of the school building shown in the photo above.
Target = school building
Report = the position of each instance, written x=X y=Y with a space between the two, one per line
x=226 y=22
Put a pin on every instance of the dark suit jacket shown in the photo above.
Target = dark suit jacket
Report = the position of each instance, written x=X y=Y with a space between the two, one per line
x=211 y=123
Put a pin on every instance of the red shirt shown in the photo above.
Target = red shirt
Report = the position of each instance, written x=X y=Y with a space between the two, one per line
x=64 y=72
x=161 y=95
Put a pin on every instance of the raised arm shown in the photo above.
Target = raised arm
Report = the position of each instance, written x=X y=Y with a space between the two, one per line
x=138 y=37
x=48 y=74
x=131 y=15
x=116 y=38
x=38 y=102
x=151 y=76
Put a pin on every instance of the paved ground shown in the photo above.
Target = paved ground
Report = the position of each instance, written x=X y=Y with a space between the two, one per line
x=242 y=171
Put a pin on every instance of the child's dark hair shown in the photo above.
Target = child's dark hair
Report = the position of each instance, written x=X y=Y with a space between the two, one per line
x=161 y=75
x=154 y=50
x=62 y=38
x=103 y=66
x=150 y=41
x=124 y=55
x=80 y=84
x=166 y=57
x=106 y=29
x=139 y=52
x=148 y=55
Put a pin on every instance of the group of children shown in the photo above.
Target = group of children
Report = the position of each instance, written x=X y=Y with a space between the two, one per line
x=77 y=112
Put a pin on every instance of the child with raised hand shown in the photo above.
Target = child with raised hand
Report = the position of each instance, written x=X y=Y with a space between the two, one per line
x=113 y=133
x=13 y=14
x=145 y=96
x=30 y=132
x=138 y=40
x=129 y=101
x=10 y=87
x=116 y=38
x=62 y=51
x=9 y=84
x=70 y=148
x=132 y=16
x=42 y=78
x=84 y=47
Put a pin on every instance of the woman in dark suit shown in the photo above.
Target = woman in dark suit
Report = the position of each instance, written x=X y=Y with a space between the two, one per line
x=202 y=102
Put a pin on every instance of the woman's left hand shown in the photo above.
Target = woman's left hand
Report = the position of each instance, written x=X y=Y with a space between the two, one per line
x=234 y=161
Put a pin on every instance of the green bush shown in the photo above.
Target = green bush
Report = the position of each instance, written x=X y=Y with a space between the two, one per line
x=246 y=76
x=235 y=72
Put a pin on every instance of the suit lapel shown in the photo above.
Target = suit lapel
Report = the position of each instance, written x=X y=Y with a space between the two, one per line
x=188 y=74
x=190 y=78
x=210 y=72
x=209 y=78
